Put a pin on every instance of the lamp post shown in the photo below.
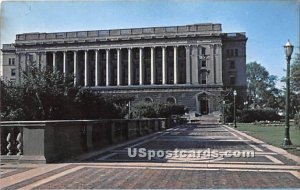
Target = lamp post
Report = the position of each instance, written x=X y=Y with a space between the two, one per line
x=224 y=112
x=234 y=107
x=288 y=48
x=129 y=108
x=246 y=104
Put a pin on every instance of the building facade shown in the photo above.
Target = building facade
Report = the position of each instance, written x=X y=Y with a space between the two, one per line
x=188 y=65
x=8 y=70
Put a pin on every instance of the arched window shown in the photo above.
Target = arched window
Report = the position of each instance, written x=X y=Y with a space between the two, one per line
x=171 y=100
x=148 y=100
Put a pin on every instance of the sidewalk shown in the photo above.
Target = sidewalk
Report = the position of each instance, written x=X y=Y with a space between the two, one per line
x=270 y=168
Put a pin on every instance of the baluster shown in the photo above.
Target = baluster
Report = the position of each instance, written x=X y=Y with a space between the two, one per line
x=19 y=146
x=8 y=140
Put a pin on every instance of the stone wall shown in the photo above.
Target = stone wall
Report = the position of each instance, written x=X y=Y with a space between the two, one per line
x=52 y=141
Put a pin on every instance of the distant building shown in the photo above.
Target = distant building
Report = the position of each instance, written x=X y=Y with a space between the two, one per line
x=8 y=67
x=188 y=65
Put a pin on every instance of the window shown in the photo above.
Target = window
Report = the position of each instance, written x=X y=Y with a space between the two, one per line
x=159 y=54
x=136 y=55
x=232 y=65
x=181 y=53
x=232 y=80
x=171 y=100
x=11 y=61
x=231 y=52
x=13 y=72
x=203 y=64
x=203 y=78
x=236 y=52
x=203 y=51
x=228 y=53
x=148 y=100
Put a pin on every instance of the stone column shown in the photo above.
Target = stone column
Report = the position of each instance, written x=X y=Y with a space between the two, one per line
x=175 y=65
x=194 y=68
x=188 y=64
x=129 y=66
x=219 y=64
x=54 y=62
x=211 y=65
x=65 y=64
x=43 y=60
x=86 y=68
x=97 y=68
x=141 y=67
x=76 y=71
x=108 y=81
x=38 y=61
x=27 y=63
x=119 y=67
x=164 y=66
x=153 y=69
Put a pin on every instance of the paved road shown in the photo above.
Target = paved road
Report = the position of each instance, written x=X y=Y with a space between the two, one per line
x=253 y=164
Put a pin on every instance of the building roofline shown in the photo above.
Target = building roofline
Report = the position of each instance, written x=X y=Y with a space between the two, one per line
x=156 y=31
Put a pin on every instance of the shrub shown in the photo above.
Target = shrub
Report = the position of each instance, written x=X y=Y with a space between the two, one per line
x=249 y=116
x=156 y=110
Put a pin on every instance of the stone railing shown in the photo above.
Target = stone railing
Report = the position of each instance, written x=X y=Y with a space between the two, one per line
x=8 y=47
x=51 y=141
x=121 y=32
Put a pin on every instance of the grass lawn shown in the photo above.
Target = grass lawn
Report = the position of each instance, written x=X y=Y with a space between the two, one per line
x=273 y=135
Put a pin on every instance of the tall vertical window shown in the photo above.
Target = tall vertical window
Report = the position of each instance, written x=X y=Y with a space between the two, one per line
x=203 y=51
x=236 y=52
x=231 y=52
x=13 y=72
x=232 y=80
x=203 y=78
x=12 y=61
x=232 y=65
x=203 y=63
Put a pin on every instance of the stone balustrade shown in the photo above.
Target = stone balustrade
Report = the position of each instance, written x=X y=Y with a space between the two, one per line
x=121 y=32
x=52 y=141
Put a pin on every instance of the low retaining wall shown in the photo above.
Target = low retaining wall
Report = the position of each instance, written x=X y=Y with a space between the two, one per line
x=52 y=141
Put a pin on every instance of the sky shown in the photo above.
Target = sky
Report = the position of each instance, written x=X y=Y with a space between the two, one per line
x=268 y=24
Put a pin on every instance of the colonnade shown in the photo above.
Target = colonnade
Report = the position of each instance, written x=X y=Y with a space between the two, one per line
x=137 y=65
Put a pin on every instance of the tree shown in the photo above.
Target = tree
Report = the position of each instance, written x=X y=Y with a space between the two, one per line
x=295 y=84
x=294 y=87
x=261 y=87
x=295 y=74
x=11 y=106
x=47 y=95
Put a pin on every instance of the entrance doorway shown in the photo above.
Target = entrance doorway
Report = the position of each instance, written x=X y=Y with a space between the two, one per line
x=204 y=107
x=203 y=104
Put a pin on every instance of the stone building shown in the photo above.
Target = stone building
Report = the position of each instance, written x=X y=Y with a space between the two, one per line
x=188 y=65
x=8 y=63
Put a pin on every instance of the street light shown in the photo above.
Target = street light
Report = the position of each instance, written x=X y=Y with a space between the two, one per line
x=129 y=108
x=288 y=49
x=234 y=107
x=224 y=112
x=246 y=104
